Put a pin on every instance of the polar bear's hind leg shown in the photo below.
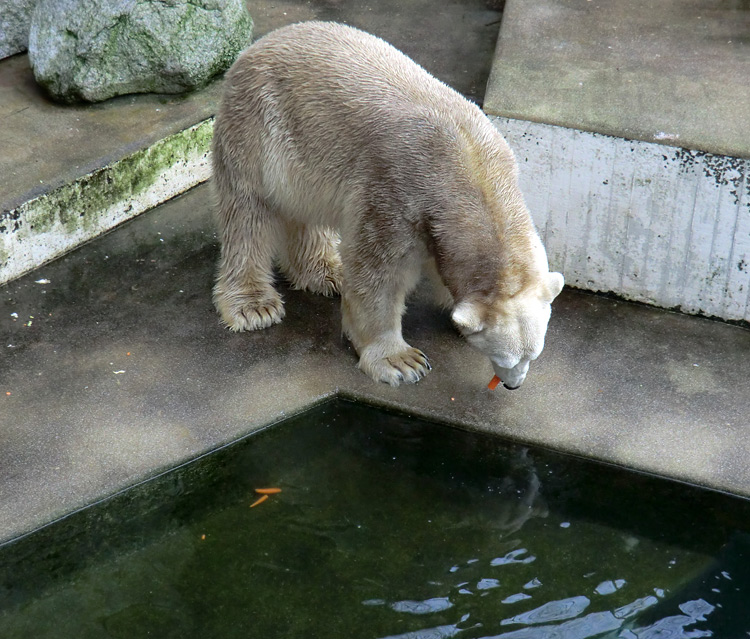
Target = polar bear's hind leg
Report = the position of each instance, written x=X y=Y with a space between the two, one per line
x=310 y=259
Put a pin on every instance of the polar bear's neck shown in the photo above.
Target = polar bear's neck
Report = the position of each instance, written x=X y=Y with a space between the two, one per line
x=489 y=260
x=485 y=242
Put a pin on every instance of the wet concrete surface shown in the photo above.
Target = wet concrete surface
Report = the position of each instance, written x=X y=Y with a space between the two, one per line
x=115 y=367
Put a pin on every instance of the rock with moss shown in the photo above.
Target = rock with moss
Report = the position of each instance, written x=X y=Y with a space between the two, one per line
x=91 y=50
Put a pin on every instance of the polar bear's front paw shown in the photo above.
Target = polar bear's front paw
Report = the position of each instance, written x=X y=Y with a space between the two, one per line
x=243 y=314
x=407 y=366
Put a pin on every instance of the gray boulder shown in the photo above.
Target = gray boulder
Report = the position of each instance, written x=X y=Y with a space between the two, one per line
x=15 y=18
x=91 y=50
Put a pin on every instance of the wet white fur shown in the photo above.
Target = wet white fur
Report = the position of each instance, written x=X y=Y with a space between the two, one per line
x=351 y=167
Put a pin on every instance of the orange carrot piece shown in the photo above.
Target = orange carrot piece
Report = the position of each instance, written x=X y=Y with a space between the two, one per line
x=494 y=382
x=267 y=491
x=260 y=500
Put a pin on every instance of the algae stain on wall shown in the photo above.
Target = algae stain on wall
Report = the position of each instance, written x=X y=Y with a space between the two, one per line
x=53 y=223
x=662 y=225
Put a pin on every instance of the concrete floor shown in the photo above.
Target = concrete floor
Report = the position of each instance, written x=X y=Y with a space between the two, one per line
x=676 y=72
x=115 y=367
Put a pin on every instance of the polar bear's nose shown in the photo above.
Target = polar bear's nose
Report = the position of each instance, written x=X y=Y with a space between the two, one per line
x=512 y=377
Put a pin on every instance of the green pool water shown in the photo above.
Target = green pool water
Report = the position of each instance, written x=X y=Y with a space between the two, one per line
x=386 y=526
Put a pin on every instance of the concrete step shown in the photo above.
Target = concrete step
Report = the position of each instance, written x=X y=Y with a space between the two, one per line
x=68 y=174
x=631 y=126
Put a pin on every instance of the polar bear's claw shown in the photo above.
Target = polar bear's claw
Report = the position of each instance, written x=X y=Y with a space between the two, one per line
x=253 y=316
x=405 y=367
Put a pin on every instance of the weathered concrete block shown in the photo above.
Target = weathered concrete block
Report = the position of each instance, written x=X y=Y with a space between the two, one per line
x=91 y=50
x=15 y=20
x=61 y=219
x=656 y=224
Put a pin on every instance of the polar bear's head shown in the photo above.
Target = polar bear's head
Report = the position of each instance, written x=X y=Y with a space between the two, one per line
x=510 y=330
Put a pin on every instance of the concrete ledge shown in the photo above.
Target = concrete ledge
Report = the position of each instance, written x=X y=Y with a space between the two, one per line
x=68 y=173
x=671 y=72
x=657 y=224
x=56 y=221
x=115 y=367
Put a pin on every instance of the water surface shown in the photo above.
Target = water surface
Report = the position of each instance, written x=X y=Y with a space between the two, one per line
x=387 y=526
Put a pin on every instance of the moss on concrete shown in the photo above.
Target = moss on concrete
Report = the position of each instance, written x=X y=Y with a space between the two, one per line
x=79 y=211
x=77 y=206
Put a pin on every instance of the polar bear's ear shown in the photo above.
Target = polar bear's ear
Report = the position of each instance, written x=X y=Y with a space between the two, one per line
x=555 y=282
x=466 y=317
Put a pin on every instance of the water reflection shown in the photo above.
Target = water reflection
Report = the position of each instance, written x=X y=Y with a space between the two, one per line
x=676 y=626
x=513 y=557
x=422 y=607
x=430 y=533
x=619 y=576
x=439 y=632
x=609 y=586
x=551 y=611
x=617 y=624
x=598 y=624
x=519 y=596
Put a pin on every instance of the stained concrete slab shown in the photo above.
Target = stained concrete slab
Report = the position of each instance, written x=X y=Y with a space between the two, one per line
x=46 y=145
x=114 y=367
x=675 y=72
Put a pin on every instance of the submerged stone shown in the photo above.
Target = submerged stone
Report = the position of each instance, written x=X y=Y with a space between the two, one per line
x=91 y=50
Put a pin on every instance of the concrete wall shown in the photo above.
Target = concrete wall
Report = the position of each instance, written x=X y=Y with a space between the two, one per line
x=57 y=221
x=652 y=223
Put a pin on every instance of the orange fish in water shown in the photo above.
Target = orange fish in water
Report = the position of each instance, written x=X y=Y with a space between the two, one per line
x=260 y=500
x=267 y=491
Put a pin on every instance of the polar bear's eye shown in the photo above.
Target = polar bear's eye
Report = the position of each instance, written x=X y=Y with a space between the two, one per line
x=537 y=351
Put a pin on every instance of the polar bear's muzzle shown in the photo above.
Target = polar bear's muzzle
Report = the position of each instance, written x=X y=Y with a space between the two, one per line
x=512 y=378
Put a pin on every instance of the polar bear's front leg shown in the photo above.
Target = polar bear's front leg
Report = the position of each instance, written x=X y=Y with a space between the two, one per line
x=371 y=319
x=393 y=361
x=384 y=355
x=244 y=293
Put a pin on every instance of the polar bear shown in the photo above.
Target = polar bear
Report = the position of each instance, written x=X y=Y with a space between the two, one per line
x=342 y=160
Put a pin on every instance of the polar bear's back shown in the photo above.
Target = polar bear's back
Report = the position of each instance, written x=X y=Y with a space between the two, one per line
x=318 y=117
x=327 y=58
